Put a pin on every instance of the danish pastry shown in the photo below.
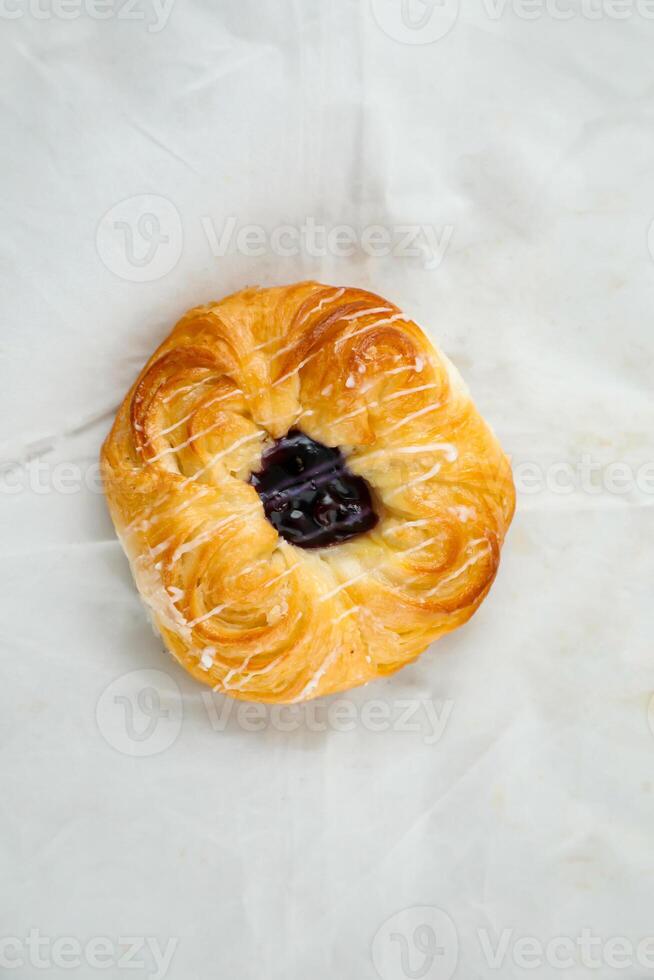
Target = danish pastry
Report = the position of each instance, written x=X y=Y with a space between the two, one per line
x=305 y=491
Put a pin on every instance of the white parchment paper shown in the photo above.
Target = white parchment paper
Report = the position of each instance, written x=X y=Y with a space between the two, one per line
x=488 y=811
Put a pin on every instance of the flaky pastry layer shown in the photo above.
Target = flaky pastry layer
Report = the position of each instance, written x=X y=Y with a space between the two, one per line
x=242 y=609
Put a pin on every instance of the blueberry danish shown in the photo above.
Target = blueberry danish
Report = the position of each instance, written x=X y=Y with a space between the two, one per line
x=305 y=491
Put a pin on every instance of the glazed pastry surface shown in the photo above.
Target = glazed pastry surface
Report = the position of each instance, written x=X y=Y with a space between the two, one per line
x=237 y=602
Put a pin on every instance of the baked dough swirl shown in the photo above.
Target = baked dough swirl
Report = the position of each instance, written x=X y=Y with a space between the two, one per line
x=240 y=607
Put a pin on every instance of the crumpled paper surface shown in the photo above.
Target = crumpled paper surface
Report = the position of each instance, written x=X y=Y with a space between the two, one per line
x=483 y=811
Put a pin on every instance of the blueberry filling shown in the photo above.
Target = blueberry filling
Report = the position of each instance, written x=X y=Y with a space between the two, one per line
x=309 y=495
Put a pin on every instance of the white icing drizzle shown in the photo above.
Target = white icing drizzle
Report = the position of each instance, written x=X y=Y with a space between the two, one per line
x=189 y=415
x=207 y=658
x=323 y=302
x=410 y=391
x=183 y=445
x=436 y=468
x=208 y=615
x=413 y=415
x=184 y=549
x=142 y=524
x=348 y=612
x=360 y=575
x=318 y=675
x=224 y=452
x=467 y=564
x=180 y=391
x=463 y=513
x=385 y=321
x=451 y=452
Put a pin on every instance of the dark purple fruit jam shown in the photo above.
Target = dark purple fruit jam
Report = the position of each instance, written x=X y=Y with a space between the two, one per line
x=309 y=495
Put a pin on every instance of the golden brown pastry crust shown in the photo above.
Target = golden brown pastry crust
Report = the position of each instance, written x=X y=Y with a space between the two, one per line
x=241 y=608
